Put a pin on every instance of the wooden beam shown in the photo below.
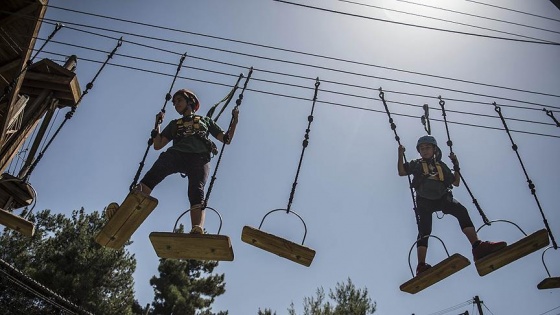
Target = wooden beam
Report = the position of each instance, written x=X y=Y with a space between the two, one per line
x=513 y=252
x=442 y=270
x=22 y=13
x=279 y=246
x=16 y=223
x=549 y=283
x=136 y=207
x=192 y=246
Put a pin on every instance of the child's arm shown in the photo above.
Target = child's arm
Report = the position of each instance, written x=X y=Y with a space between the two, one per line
x=159 y=141
x=456 y=173
x=400 y=162
x=228 y=136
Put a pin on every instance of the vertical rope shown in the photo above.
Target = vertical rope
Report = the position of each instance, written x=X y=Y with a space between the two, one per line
x=71 y=112
x=238 y=103
x=304 y=144
x=529 y=181
x=456 y=166
x=158 y=122
x=426 y=119
x=394 y=128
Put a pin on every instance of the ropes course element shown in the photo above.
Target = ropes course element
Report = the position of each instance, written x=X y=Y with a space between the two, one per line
x=426 y=119
x=71 y=112
x=277 y=245
x=529 y=181
x=8 y=89
x=25 y=282
x=550 y=282
x=456 y=166
x=178 y=245
x=398 y=139
x=227 y=99
x=158 y=122
x=550 y=114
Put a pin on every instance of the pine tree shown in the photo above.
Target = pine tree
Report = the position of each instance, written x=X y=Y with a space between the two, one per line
x=345 y=299
x=63 y=256
x=186 y=287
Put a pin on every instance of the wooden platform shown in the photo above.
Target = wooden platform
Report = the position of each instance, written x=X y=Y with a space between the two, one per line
x=279 y=246
x=14 y=192
x=133 y=211
x=512 y=252
x=17 y=223
x=549 y=283
x=192 y=246
x=444 y=269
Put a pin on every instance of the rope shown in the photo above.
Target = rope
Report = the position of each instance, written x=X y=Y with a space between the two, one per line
x=39 y=290
x=304 y=144
x=426 y=119
x=394 y=128
x=529 y=181
x=227 y=99
x=237 y=104
x=456 y=166
x=70 y=113
x=9 y=87
x=158 y=122
x=550 y=114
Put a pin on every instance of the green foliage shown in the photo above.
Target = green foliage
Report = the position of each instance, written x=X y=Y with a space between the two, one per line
x=63 y=256
x=344 y=300
x=185 y=287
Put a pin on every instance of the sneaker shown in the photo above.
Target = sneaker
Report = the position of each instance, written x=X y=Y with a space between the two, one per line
x=111 y=209
x=486 y=248
x=197 y=229
x=422 y=267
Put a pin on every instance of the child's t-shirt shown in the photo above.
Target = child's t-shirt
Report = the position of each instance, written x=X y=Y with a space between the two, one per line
x=430 y=185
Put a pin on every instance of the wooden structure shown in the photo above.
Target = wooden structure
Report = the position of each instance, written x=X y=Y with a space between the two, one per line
x=176 y=245
x=277 y=245
x=136 y=207
x=442 y=270
x=550 y=282
x=512 y=252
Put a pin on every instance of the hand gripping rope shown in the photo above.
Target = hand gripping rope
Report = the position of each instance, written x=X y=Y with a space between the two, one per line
x=529 y=181
x=9 y=87
x=550 y=114
x=227 y=100
x=154 y=132
x=456 y=166
x=71 y=112
x=394 y=128
x=237 y=104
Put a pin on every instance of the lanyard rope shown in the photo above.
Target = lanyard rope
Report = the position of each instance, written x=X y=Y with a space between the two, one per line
x=9 y=87
x=529 y=181
x=227 y=99
x=394 y=128
x=550 y=114
x=237 y=104
x=304 y=144
x=157 y=123
x=426 y=119
x=456 y=166
x=71 y=112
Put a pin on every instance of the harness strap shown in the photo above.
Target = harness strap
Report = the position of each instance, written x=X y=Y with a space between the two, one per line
x=426 y=170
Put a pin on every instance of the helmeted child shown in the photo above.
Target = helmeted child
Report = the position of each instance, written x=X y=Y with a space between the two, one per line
x=432 y=182
x=189 y=154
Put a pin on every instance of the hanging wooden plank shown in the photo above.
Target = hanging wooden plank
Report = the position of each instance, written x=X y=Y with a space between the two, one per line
x=192 y=246
x=14 y=193
x=279 y=246
x=134 y=210
x=16 y=223
x=549 y=283
x=512 y=252
x=442 y=270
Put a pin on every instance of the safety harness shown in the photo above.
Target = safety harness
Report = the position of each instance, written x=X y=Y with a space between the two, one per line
x=197 y=130
x=426 y=170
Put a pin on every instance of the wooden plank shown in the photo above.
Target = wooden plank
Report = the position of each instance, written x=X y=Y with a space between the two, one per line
x=15 y=190
x=549 y=283
x=512 y=252
x=16 y=223
x=192 y=246
x=442 y=270
x=279 y=246
x=134 y=210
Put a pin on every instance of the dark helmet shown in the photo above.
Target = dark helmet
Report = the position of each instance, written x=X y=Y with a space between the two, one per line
x=190 y=97
x=430 y=140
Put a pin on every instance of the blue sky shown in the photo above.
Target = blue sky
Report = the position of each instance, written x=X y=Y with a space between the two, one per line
x=357 y=210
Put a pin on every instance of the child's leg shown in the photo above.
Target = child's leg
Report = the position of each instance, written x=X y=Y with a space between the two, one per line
x=455 y=208
x=197 y=174
x=424 y=222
